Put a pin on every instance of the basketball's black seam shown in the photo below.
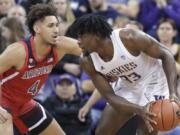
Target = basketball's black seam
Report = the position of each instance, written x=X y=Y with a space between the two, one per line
x=162 y=114
x=173 y=116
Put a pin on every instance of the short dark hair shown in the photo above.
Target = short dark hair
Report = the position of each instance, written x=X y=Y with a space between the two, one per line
x=38 y=12
x=94 y=24
x=167 y=20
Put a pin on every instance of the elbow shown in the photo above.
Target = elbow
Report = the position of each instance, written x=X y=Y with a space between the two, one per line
x=167 y=55
x=109 y=97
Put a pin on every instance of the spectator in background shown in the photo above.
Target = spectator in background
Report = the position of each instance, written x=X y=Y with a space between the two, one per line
x=151 y=11
x=2 y=42
x=149 y=15
x=166 y=32
x=95 y=108
x=171 y=9
x=134 y=25
x=87 y=85
x=129 y=8
x=18 y=12
x=65 y=104
x=5 y=5
x=120 y=22
x=11 y=30
x=80 y=7
x=69 y=64
x=28 y=3
x=101 y=7
x=65 y=13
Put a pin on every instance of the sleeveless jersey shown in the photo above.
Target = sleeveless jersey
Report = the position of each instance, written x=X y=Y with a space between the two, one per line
x=132 y=70
x=19 y=87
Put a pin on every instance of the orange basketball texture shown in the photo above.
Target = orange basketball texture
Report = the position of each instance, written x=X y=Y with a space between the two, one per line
x=166 y=112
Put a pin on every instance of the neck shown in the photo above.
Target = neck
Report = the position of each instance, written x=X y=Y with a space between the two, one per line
x=106 y=52
x=41 y=48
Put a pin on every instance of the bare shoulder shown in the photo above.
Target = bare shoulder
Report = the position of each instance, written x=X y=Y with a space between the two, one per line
x=13 y=56
x=16 y=49
x=136 y=37
x=130 y=34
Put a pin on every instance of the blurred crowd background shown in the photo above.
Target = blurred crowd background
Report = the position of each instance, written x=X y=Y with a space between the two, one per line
x=68 y=87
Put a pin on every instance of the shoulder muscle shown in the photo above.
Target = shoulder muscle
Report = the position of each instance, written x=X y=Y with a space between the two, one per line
x=12 y=57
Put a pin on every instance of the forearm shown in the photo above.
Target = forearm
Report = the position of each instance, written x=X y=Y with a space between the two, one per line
x=119 y=103
x=72 y=68
x=93 y=99
x=169 y=67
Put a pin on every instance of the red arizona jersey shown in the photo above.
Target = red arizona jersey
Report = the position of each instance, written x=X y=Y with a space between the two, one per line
x=19 y=87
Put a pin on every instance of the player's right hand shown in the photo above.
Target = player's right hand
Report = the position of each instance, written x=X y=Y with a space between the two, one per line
x=147 y=117
x=4 y=115
x=83 y=112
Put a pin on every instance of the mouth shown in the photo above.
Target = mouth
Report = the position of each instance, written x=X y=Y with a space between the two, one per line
x=54 y=36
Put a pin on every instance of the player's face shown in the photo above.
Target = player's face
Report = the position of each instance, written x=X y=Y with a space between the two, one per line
x=88 y=43
x=166 y=32
x=48 y=29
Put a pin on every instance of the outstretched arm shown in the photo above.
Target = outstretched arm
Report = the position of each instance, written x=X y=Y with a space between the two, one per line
x=66 y=45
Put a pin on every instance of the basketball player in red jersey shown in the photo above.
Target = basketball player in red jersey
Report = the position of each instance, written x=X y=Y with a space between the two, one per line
x=24 y=67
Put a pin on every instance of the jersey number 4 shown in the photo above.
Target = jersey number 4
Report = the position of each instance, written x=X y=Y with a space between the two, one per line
x=33 y=89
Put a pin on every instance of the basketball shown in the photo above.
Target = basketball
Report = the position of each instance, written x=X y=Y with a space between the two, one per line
x=167 y=114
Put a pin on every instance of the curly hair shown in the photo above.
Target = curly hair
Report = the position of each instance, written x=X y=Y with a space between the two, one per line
x=94 y=24
x=39 y=12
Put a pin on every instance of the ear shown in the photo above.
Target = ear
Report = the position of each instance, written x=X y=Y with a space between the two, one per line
x=36 y=28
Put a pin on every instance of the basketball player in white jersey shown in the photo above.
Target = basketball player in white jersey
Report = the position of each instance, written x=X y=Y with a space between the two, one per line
x=146 y=68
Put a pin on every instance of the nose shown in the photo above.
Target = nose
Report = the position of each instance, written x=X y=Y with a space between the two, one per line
x=56 y=30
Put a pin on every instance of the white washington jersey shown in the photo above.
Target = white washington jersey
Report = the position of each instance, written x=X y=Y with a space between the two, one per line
x=140 y=77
